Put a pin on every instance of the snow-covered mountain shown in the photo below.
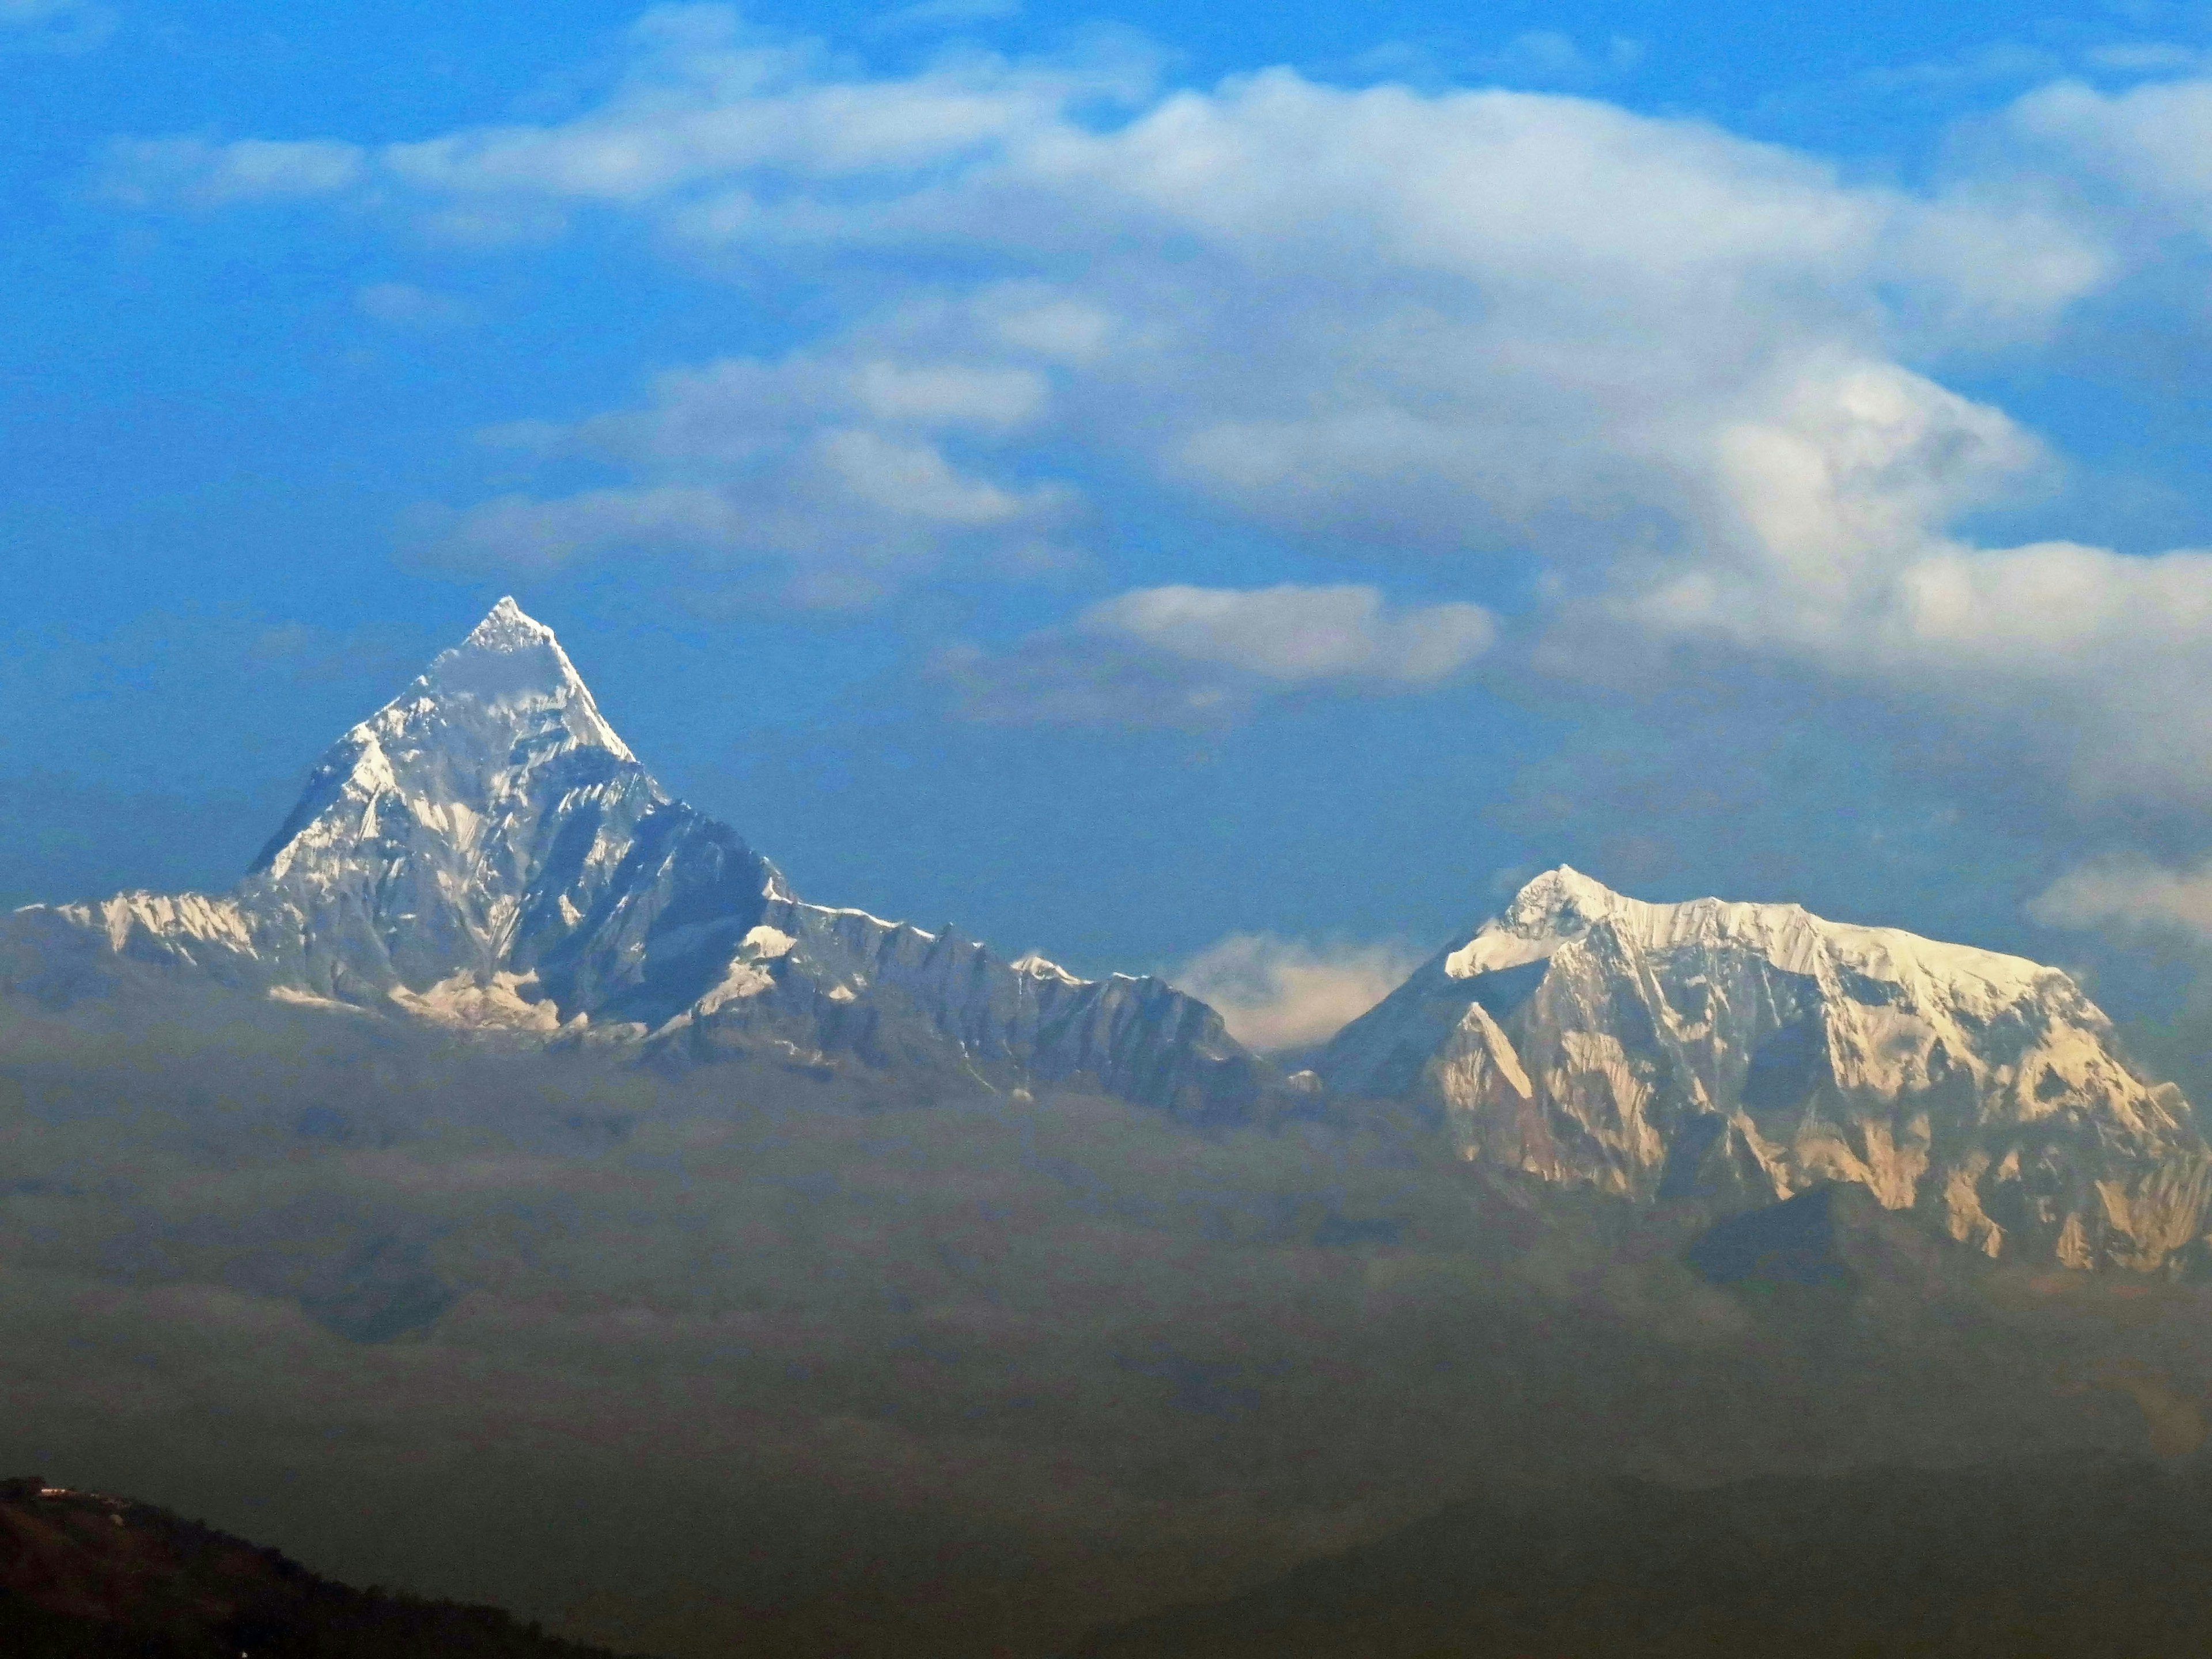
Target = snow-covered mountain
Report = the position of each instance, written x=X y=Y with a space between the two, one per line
x=485 y=852
x=1744 y=1051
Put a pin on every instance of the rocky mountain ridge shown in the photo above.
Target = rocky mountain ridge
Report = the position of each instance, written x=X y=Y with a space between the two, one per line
x=484 y=851
x=1737 y=1053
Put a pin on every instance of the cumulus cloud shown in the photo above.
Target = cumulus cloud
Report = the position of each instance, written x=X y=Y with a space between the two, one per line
x=2149 y=140
x=1181 y=655
x=1278 y=994
x=1469 y=323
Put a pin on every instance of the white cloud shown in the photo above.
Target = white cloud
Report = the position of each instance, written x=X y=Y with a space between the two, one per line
x=2130 y=895
x=1681 y=384
x=704 y=105
x=1461 y=323
x=522 y=534
x=1292 y=635
x=204 y=174
x=1548 y=57
x=2094 y=660
x=2155 y=57
x=1202 y=656
x=2149 y=140
x=835 y=472
x=1278 y=994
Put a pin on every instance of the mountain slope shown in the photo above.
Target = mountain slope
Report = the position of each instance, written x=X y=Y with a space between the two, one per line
x=485 y=852
x=1740 y=1053
x=87 y=1577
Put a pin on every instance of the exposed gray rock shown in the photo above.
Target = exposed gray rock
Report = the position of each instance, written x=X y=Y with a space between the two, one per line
x=484 y=851
x=1741 y=1053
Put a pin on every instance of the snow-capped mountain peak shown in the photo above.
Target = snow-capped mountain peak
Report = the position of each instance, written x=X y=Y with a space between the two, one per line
x=484 y=851
x=1745 y=1051
x=512 y=661
x=1562 y=906
x=467 y=755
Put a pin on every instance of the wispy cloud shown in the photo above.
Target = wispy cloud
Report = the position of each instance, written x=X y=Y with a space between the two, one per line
x=1294 y=635
x=1207 y=656
x=2130 y=895
x=202 y=173
x=55 y=26
x=836 y=474
x=404 y=305
x=1546 y=57
x=948 y=13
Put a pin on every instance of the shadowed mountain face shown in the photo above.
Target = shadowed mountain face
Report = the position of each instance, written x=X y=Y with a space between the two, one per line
x=1737 y=1053
x=2075 y=1555
x=485 y=853
x=87 y=1576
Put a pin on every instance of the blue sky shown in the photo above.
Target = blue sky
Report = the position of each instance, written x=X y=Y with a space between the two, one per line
x=1119 y=479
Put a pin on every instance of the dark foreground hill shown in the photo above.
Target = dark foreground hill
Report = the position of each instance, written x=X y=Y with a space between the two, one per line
x=87 y=1577
x=2086 y=1554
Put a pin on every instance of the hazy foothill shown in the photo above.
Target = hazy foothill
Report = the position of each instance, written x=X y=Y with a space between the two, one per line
x=513 y=1193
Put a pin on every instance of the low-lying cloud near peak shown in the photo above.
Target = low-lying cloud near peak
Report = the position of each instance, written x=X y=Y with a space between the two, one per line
x=2130 y=895
x=1278 y=994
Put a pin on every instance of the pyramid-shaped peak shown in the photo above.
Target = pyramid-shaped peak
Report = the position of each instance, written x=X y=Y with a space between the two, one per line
x=481 y=733
x=508 y=681
x=512 y=661
x=508 y=627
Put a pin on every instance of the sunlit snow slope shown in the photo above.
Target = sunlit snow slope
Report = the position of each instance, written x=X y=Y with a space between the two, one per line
x=484 y=851
x=1744 y=1051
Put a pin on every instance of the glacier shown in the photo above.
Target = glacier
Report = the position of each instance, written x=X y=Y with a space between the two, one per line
x=484 y=852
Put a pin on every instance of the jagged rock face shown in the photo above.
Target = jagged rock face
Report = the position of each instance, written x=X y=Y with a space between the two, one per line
x=485 y=852
x=1741 y=1053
